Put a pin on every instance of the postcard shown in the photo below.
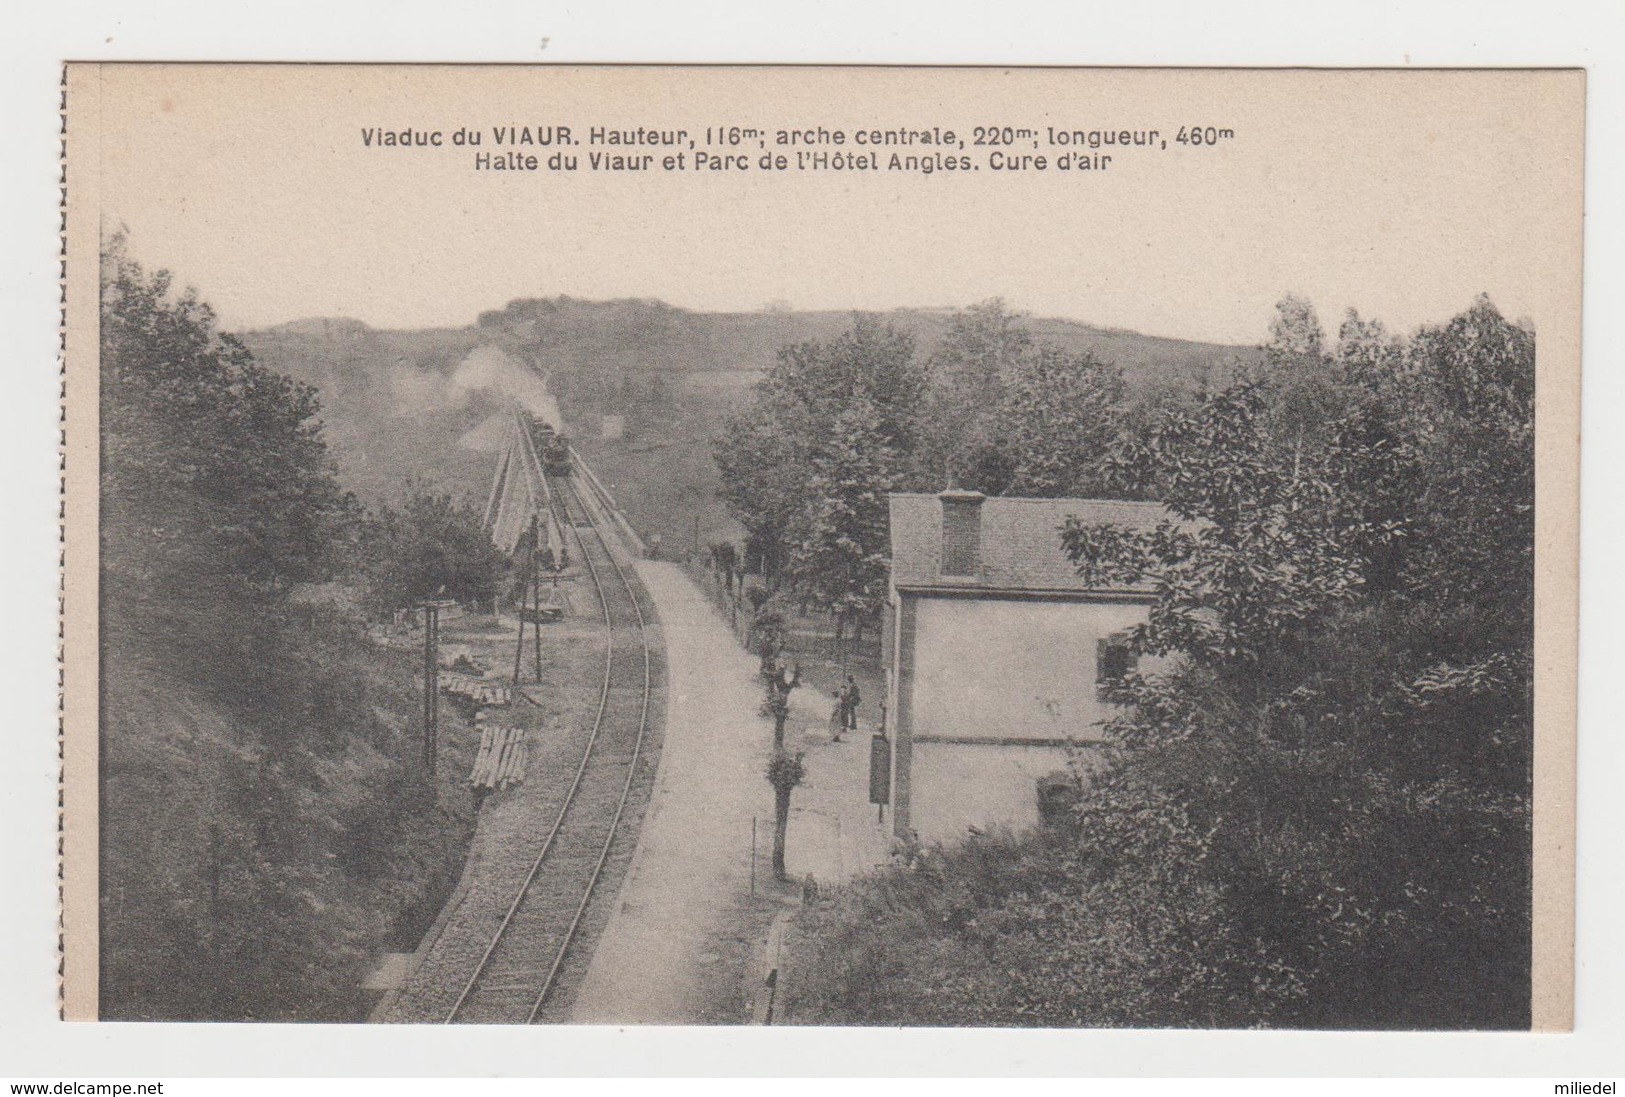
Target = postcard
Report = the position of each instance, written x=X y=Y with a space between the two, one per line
x=954 y=547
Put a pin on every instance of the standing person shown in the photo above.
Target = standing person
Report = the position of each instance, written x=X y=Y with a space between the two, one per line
x=851 y=696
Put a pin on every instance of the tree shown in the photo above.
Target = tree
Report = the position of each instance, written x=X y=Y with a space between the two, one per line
x=1341 y=657
x=840 y=541
x=431 y=547
x=779 y=684
x=1249 y=554
x=1316 y=811
x=1308 y=394
x=784 y=773
x=249 y=741
x=1369 y=357
x=1058 y=424
x=968 y=374
x=761 y=464
x=769 y=625
x=788 y=468
x=1295 y=332
x=1471 y=408
x=870 y=361
x=1007 y=415
x=212 y=465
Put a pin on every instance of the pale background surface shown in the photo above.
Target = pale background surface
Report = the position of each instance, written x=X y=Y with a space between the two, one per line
x=1275 y=35
x=1402 y=194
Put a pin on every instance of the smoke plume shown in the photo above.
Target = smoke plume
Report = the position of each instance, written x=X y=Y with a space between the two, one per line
x=488 y=368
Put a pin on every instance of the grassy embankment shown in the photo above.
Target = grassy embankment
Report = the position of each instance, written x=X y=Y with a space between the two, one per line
x=267 y=829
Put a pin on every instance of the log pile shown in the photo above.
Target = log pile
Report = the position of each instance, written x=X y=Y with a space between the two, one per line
x=500 y=762
x=478 y=690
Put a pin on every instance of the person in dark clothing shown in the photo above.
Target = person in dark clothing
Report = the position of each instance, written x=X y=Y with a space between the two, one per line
x=849 y=702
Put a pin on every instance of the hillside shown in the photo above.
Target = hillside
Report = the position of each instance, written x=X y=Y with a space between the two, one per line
x=267 y=829
x=269 y=840
x=405 y=404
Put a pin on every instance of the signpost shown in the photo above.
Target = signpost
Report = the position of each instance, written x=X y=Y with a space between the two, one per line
x=880 y=772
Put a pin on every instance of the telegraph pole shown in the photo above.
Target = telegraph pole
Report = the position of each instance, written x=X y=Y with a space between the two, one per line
x=530 y=601
x=536 y=587
x=431 y=679
x=519 y=648
x=523 y=607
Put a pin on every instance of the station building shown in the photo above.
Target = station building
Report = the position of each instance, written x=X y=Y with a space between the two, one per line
x=996 y=654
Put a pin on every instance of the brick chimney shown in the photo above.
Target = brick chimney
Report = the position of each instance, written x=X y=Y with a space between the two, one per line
x=961 y=532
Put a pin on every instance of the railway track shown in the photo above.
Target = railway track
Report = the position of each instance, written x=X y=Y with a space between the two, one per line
x=531 y=949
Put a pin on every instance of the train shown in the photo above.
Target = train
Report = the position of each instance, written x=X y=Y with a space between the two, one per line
x=552 y=447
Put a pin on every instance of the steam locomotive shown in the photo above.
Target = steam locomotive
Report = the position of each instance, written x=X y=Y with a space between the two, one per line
x=552 y=447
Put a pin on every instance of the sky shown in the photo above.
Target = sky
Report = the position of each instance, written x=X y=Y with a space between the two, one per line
x=1403 y=194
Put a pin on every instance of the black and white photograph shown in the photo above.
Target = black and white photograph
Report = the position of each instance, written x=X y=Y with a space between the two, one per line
x=952 y=548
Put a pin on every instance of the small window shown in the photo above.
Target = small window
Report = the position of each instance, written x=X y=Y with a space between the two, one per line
x=1114 y=661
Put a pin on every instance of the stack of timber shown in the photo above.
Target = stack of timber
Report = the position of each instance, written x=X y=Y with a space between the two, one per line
x=478 y=690
x=500 y=762
x=546 y=613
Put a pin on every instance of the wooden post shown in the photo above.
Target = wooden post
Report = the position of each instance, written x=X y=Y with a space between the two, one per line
x=536 y=584
x=519 y=610
x=519 y=648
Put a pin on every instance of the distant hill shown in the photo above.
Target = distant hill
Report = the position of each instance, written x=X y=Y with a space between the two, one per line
x=404 y=404
x=322 y=327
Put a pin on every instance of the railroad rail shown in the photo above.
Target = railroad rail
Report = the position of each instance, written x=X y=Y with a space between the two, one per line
x=521 y=967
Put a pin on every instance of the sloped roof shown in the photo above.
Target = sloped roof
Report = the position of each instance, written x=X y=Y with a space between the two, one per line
x=1020 y=542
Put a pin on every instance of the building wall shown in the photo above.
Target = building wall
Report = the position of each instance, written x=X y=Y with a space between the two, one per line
x=1011 y=669
x=900 y=686
x=955 y=786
